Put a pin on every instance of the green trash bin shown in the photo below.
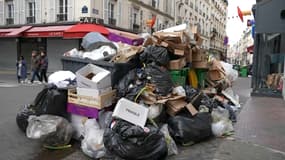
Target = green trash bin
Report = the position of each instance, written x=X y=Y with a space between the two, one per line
x=201 y=75
x=243 y=71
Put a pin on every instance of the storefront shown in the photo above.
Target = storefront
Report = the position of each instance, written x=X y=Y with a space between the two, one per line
x=49 y=38
x=10 y=46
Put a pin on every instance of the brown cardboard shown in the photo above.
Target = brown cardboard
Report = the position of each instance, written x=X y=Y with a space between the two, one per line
x=177 y=64
x=179 y=52
x=191 y=109
x=199 y=40
x=188 y=55
x=175 y=106
x=216 y=75
x=202 y=65
x=164 y=44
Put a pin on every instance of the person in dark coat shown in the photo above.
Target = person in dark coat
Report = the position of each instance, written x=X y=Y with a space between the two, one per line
x=43 y=66
x=21 y=69
x=35 y=66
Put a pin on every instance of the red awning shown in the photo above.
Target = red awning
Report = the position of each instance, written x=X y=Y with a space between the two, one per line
x=250 y=49
x=49 y=31
x=13 y=32
x=80 y=30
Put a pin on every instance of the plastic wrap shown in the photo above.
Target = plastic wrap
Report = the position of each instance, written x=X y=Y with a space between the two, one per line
x=92 y=144
x=23 y=115
x=61 y=78
x=221 y=122
x=171 y=145
x=52 y=130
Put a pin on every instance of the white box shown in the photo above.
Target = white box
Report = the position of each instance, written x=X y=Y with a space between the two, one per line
x=84 y=82
x=131 y=112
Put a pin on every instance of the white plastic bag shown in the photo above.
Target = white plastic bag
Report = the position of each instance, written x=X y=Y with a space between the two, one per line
x=179 y=91
x=92 y=144
x=154 y=111
x=172 y=148
x=231 y=73
x=77 y=123
x=53 y=130
x=221 y=122
x=100 y=53
x=61 y=78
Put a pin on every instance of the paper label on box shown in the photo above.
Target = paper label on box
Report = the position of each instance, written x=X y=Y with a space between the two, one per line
x=131 y=112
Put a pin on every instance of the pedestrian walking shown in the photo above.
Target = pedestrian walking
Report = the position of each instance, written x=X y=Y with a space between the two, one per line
x=35 y=66
x=21 y=69
x=43 y=66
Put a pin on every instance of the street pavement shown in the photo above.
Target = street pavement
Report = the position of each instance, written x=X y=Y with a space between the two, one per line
x=259 y=132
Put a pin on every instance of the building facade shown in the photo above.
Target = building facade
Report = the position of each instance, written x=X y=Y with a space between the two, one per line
x=210 y=18
x=127 y=14
x=241 y=52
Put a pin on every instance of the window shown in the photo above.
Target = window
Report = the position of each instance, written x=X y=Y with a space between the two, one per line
x=10 y=11
x=32 y=9
x=62 y=14
x=111 y=10
x=63 y=6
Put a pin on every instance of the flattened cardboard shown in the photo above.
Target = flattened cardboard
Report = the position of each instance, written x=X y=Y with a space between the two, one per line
x=177 y=64
x=191 y=109
x=175 y=106
x=202 y=65
x=216 y=75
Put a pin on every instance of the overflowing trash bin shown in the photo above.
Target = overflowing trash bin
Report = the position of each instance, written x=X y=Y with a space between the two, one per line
x=137 y=103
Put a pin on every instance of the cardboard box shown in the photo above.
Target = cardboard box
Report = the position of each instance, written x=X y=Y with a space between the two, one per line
x=131 y=112
x=202 y=65
x=174 y=106
x=177 y=64
x=82 y=110
x=99 y=102
x=104 y=81
x=179 y=52
x=198 y=55
x=216 y=75
x=191 y=109
x=92 y=92
x=188 y=55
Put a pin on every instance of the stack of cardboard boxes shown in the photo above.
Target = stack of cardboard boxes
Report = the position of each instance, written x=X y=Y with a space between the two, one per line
x=93 y=92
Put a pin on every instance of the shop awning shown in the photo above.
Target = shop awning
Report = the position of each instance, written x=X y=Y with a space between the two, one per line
x=250 y=49
x=49 y=31
x=13 y=32
x=80 y=30
x=125 y=37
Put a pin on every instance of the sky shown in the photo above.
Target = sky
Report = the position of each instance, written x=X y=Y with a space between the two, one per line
x=235 y=27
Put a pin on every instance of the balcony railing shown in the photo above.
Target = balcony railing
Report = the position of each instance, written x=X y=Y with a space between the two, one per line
x=112 y=21
x=31 y=20
x=9 y=21
x=61 y=17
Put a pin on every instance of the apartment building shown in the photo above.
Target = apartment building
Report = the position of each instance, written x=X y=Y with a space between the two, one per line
x=55 y=15
x=209 y=16
x=127 y=14
x=241 y=51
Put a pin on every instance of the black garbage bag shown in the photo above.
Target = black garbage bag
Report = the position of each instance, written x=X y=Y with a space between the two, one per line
x=186 y=129
x=51 y=100
x=23 y=115
x=156 y=54
x=197 y=98
x=132 y=142
x=161 y=78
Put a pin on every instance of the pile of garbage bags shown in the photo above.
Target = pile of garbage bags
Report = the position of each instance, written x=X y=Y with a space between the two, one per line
x=168 y=113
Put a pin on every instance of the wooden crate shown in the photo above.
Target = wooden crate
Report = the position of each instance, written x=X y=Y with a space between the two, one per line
x=98 y=102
